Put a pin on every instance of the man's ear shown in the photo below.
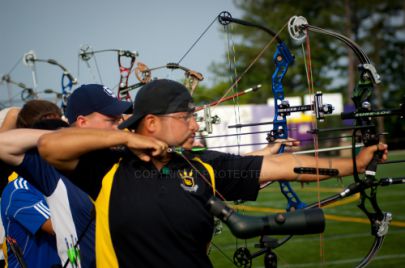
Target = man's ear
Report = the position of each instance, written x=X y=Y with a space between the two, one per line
x=150 y=123
x=81 y=121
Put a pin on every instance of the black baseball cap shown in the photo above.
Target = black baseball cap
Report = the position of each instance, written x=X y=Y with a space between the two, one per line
x=160 y=96
x=92 y=98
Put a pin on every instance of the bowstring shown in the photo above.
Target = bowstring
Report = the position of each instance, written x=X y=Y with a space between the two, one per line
x=33 y=68
x=98 y=69
x=311 y=91
x=90 y=67
x=237 y=78
x=11 y=98
x=198 y=39
x=230 y=89
x=78 y=67
x=231 y=57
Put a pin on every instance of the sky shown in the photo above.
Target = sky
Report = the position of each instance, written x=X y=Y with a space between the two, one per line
x=161 y=31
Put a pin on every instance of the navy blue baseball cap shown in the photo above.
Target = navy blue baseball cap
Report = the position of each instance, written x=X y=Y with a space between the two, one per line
x=160 y=96
x=91 y=98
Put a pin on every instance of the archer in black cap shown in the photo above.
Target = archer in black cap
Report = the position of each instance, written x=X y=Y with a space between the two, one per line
x=159 y=97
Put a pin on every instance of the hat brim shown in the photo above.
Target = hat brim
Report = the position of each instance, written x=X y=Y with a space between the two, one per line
x=116 y=109
x=131 y=122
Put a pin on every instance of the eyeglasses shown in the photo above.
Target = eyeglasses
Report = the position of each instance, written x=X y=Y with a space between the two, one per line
x=186 y=118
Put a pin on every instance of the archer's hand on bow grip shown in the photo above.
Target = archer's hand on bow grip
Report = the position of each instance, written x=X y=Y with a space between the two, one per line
x=370 y=156
x=274 y=147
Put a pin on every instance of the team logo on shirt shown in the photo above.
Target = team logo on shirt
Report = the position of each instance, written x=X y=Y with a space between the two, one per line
x=188 y=182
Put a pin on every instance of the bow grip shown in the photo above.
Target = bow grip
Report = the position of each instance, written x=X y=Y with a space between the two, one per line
x=372 y=165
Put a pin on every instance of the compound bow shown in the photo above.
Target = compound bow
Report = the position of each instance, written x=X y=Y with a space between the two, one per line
x=367 y=185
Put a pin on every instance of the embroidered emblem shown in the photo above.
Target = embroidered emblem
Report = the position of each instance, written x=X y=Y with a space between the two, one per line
x=188 y=182
x=109 y=92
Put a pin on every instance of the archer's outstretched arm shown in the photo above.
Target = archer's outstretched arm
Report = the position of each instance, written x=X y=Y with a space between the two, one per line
x=281 y=167
x=14 y=143
x=63 y=148
x=10 y=119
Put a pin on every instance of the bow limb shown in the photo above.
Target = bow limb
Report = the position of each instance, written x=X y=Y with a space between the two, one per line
x=67 y=80
x=67 y=84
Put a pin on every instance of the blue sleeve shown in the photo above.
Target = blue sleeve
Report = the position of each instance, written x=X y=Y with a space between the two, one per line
x=29 y=208
x=38 y=172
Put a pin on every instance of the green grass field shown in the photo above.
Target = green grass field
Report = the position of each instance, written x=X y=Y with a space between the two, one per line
x=347 y=238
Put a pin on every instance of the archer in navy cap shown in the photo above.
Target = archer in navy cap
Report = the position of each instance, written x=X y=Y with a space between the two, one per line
x=92 y=98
